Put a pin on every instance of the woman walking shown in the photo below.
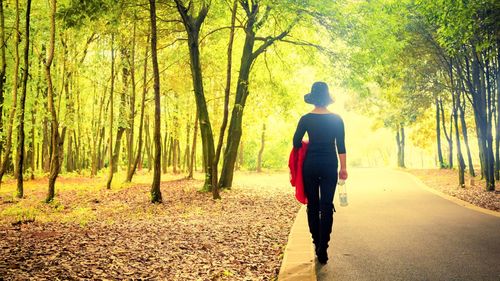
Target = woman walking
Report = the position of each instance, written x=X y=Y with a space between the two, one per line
x=325 y=130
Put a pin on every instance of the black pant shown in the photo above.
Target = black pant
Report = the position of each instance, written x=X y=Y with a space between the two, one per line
x=320 y=180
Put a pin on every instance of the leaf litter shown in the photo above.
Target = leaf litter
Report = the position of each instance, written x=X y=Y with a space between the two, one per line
x=189 y=236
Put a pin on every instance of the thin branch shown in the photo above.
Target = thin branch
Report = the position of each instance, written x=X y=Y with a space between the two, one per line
x=217 y=29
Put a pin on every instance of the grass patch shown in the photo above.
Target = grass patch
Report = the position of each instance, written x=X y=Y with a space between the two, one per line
x=80 y=215
x=18 y=214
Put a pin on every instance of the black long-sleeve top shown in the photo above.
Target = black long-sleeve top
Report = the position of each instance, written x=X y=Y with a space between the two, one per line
x=325 y=131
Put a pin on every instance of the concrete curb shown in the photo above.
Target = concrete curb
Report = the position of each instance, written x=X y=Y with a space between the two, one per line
x=452 y=198
x=299 y=260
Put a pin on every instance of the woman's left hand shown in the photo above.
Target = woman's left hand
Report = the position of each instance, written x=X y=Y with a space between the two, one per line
x=343 y=174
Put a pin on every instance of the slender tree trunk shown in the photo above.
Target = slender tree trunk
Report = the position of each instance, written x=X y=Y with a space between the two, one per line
x=192 y=26
x=131 y=124
x=56 y=144
x=247 y=59
x=240 y=159
x=400 y=140
x=96 y=145
x=22 y=105
x=449 y=137
x=438 y=135
x=110 y=175
x=148 y=144
x=122 y=109
x=32 y=146
x=234 y=133
x=227 y=92
x=486 y=123
x=185 y=164
x=170 y=156
x=497 y=123
x=155 y=187
x=138 y=157
x=165 y=139
x=483 y=127
x=461 y=107
x=261 y=150
x=178 y=150
x=3 y=69
x=15 y=77
x=460 y=158
x=193 y=149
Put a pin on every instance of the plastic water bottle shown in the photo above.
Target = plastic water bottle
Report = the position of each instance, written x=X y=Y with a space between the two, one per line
x=342 y=193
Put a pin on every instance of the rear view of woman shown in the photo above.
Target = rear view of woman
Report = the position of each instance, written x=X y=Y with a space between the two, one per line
x=325 y=130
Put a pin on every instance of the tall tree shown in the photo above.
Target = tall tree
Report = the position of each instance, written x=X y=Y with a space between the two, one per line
x=138 y=153
x=438 y=135
x=254 y=21
x=15 y=77
x=400 y=140
x=155 y=186
x=448 y=136
x=3 y=68
x=111 y=117
x=227 y=91
x=192 y=25
x=22 y=104
x=56 y=139
x=463 y=124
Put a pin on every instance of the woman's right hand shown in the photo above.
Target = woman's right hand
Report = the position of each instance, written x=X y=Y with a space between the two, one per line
x=343 y=174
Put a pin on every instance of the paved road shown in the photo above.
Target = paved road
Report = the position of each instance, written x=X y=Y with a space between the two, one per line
x=395 y=230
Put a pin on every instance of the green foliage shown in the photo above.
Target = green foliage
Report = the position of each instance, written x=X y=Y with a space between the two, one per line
x=78 y=13
x=81 y=215
x=19 y=214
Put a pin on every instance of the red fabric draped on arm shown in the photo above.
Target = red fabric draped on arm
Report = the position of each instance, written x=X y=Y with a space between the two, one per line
x=295 y=162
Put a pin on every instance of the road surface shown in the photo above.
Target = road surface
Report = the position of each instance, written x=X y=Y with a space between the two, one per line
x=393 y=229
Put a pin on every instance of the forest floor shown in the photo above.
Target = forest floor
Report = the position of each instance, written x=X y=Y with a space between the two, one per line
x=446 y=181
x=89 y=232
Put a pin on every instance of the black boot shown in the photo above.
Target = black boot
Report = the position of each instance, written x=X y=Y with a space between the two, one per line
x=322 y=254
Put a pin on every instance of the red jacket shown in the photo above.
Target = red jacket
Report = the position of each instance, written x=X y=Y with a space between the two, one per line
x=297 y=156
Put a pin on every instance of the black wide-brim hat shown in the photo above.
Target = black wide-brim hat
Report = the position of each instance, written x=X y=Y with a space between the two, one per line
x=319 y=95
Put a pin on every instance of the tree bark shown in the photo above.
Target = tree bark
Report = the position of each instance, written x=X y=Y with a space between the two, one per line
x=438 y=136
x=476 y=84
x=97 y=143
x=131 y=124
x=22 y=104
x=456 y=101
x=56 y=144
x=448 y=136
x=155 y=186
x=164 y=154
x=122 y=112
x=15 y=77
x=461 y=107
x=497 y=123
x=185 y=160
x=193 y=149
x=148 y=144
x=227 y=92
x=261 y=150
x=240 y=159
x=192 y=26
x=3 y=69
x=247 y=59
x=32 y=145
x=111 y=94
x=400 y=141
x=138 y=154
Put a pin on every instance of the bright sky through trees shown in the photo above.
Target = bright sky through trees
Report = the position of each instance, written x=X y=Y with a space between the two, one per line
x=401 y=71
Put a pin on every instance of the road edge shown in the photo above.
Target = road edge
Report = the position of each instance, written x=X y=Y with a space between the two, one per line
x=299 y=262
x=449 y=197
